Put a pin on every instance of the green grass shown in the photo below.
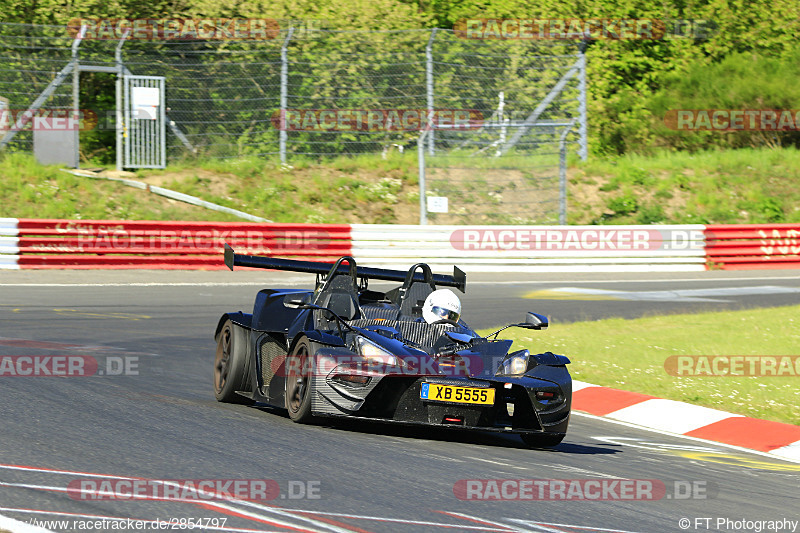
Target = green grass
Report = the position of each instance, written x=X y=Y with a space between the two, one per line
x=363 y=189
x=630 y=355
x=733 y=186
x=718 y=187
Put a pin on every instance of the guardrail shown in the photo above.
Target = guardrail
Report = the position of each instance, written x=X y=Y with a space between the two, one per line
x=33 y=243
x=535 y=248
x=753 y=246
x=162 y=245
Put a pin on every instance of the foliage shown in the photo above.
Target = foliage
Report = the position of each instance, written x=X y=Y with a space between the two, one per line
x=748 y=59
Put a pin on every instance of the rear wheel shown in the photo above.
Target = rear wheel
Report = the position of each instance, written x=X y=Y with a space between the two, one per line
x=230 y=364
x=298 y=383
x=538 y=440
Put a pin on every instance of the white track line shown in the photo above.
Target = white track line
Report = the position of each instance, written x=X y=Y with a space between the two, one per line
x=208 y=503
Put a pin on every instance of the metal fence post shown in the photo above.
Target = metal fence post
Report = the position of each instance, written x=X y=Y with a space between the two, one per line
x=562 y=175
x=120 y=125
x=76 y=90
x=583 y=143
x=423 y=207
x=284 y=95
x=429 y=83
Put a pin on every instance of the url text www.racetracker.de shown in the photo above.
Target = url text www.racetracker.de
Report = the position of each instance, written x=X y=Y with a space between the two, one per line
x=738 y=525
x=130 y=524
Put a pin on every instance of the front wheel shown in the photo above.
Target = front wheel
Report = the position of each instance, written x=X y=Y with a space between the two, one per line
x=230 y=364
x=539 y=440
x=298 y=383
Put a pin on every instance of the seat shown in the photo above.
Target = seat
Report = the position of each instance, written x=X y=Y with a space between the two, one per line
x=410 y=297
x=341 y=297
x=414 y=298
x=342 y=303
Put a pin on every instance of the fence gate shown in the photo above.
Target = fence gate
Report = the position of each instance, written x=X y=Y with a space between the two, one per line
x=144 y=122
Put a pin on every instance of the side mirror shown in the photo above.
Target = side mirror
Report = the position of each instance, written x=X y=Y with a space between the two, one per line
x=293 y=301
x=536 y=321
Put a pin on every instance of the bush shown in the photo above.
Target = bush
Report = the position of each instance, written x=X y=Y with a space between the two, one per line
x=623 y=205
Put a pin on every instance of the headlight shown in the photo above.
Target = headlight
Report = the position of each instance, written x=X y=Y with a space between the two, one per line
x=374 y=354
x=514 y=365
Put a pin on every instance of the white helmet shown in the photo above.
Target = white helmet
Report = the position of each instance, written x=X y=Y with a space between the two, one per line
x=441 y=304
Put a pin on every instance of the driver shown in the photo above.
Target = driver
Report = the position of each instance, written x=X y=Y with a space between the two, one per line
x=441 y=304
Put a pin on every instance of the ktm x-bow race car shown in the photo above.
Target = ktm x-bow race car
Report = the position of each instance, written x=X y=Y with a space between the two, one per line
x=343 y=350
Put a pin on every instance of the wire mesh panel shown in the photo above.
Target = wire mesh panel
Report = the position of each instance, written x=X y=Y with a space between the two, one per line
x=31 y=58
x=354 y=92
x=321 y=93
x=505 y=167
x=221 y=94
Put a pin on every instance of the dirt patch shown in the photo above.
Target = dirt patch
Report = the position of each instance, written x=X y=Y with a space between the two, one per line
x=584 y=194
x=587 y=200
x=494 y=196
x=214 y=183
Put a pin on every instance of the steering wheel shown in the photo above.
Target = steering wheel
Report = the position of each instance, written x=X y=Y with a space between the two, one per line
x=445 y=321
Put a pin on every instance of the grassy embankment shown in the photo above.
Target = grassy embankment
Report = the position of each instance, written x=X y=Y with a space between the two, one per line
x=742 y=186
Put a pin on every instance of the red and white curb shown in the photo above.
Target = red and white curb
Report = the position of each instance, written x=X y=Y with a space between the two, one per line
x=776 y=438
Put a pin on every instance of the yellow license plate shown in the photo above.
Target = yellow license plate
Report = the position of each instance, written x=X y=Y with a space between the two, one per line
x=449 y=393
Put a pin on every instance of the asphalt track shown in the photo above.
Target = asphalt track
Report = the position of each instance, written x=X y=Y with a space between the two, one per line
x=161 y=422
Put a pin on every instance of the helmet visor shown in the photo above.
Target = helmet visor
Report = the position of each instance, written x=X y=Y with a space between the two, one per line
x=444 y=313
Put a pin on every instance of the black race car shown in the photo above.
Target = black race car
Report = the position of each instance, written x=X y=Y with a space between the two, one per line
x=345 y=350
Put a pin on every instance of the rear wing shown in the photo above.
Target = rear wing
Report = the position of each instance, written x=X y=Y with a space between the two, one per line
x=457 y=280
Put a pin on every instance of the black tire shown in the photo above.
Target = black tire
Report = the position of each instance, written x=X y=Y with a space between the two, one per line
x=230 y=364
x=539 y=440
x=298 y=383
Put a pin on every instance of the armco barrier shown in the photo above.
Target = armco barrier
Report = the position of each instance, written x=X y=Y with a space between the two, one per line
x=753 y=246
x=534 y=248
x=162 y=245
x=32 y=243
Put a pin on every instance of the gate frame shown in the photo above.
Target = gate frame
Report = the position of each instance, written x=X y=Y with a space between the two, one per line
x=159 y=153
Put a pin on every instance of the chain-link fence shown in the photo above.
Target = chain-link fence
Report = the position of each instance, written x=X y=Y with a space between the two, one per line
x=226 y=96
x=31 y=59
x=317 y=93
x=510 y=168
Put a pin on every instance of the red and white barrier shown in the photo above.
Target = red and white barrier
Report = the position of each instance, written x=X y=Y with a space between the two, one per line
x=119 y=244
x=534 y=248
x=753 y=246
x=34 y=243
